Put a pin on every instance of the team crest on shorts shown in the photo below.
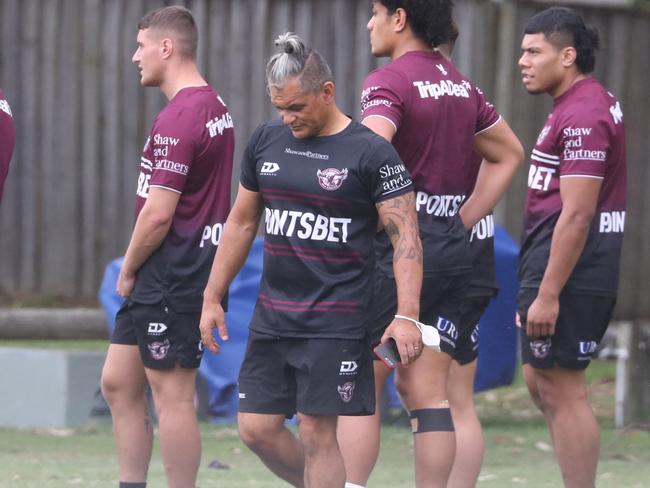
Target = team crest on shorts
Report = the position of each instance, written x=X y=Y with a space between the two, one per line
x=159 y=349
x=541 y=348
x=331 y=179
x=346 y=391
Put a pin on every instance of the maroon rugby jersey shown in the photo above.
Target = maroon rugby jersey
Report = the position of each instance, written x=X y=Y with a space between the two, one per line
x=436 y=112
x=584 y=136
x=481 y=241
x=7 y=139
x=189 y=151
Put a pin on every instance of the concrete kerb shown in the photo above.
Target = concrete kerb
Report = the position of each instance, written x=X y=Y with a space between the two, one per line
x=52 y=323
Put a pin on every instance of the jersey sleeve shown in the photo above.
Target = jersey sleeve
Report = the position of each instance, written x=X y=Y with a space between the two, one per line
x=386 y=174
x=584 y=143
x=248 y=178
x=173 y=140
x=383 y=96
x=487 y=114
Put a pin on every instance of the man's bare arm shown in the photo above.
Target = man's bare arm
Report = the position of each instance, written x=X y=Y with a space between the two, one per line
x=238 y=235
x=380 y=125
x=151 y=228
x=502 y=155
x=579 y=201
x=399 y=219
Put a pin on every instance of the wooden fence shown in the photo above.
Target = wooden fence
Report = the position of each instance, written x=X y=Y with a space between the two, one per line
x=81 y=115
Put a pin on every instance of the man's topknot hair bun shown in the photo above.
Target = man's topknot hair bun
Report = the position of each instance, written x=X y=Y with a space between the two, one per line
x=290 y=43
x=295 y=59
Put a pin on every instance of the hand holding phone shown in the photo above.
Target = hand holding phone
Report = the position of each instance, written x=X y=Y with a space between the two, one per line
x=388 y=353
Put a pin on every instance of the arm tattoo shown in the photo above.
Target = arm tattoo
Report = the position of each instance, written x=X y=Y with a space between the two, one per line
x=400 y=222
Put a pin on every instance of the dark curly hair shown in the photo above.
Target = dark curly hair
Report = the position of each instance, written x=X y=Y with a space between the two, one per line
x=430 y=20
x=564 y=27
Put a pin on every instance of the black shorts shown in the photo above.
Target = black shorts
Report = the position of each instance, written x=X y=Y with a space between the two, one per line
x=165 y=337
x=471 y=310
x=312 y=376
x=580 y=326
x=440 y=305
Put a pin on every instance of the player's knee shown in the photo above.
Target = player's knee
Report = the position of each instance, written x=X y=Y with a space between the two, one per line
x=111 y=385
x=402 y=391
x=431 y=420
x=255 y=437
x=316 y=434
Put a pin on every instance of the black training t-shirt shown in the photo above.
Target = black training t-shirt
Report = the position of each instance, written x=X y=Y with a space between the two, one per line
x=320 y=219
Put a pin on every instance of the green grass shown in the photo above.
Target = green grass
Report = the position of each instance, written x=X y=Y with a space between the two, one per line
x=518 y=450
x=67 y=345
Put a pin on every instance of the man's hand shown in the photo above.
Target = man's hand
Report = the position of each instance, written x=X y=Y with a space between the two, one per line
x=407 y=337
x=125 y=283
x=212 y=316
x=542 y=315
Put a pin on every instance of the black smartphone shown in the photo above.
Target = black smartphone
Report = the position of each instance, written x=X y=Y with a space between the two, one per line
x=388 y=353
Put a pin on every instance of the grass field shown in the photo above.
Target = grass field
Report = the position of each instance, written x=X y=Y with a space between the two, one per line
x=518 y=450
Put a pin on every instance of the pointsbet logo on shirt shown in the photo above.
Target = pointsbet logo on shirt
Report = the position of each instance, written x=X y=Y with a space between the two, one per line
x=306 y=225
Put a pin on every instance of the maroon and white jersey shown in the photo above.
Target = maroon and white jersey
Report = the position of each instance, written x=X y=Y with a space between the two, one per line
x=481 y=242
x=436 y=112
x=189 y=151
x=7 y=139
x=584 y=137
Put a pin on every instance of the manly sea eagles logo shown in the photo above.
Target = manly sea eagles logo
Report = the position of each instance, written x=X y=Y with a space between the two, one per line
x=159 y=349
x=541 y=348
x=331 y=179
x=346 y=391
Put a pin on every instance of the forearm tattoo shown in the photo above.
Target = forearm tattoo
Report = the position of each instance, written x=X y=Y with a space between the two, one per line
x=400 y=222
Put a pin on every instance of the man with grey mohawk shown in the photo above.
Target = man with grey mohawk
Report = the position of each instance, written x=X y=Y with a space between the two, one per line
x=323 y=183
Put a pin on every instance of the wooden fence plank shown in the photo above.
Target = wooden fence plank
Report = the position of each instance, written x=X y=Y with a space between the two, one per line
x=48 y=157
x=110 y=141
x=90 y=148
x=635 y=287
x=28 y=122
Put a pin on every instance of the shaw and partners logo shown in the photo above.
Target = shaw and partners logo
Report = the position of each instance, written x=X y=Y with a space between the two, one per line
x=306 y=154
